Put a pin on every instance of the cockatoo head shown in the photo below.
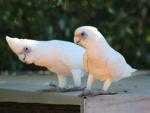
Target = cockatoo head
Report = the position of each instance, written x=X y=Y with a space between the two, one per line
x=23 y=48
x=84 y=35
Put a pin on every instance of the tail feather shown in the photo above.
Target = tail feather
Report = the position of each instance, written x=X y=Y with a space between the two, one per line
x=141 y=72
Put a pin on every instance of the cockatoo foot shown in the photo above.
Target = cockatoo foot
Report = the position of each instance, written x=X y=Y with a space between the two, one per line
x=102 y=92
x=53 y=85
x=53 y=89
x=71 y=89
x=86 y=93
x=105 y=93
x=58 y=89
x=90 y=93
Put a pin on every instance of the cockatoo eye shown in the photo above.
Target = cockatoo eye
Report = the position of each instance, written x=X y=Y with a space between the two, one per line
x=27 y=49
x=84 y=34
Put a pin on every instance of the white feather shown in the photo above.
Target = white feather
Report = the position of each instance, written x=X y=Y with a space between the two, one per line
x=103 y=62
x=61 y=57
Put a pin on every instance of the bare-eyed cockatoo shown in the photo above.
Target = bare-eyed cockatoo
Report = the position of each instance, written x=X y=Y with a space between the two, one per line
x=61 y=57
x=101 y=61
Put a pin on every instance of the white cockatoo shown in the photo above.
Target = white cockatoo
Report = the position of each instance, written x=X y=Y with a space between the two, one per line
x=61 y=57
x=100 y=60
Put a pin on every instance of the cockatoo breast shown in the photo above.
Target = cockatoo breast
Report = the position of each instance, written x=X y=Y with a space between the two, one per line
x=97 y=66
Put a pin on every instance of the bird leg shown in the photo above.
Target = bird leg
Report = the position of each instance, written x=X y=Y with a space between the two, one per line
x=77 y=74
x=62 y=86
x=105 y=91
x=55 y=88
x=87 y=91
x=77 y=81
x=106 y=86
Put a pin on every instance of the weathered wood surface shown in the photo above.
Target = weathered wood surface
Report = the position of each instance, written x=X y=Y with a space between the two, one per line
x=11 y=95
x=24 y=89
x=118 y=104
x=131 y=83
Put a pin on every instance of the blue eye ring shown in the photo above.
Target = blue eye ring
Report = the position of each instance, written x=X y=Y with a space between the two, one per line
x=83 y=34
x=27 y=49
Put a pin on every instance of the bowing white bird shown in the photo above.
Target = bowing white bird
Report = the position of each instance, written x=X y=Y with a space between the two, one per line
x=101 y=61
x=61 y=57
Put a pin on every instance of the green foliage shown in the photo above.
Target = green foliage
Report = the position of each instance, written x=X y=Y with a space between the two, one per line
x=125 y=24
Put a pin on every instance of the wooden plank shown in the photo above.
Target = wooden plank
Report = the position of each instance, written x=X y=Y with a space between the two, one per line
x=10 y=95
x=23 y=89
x=118 y=104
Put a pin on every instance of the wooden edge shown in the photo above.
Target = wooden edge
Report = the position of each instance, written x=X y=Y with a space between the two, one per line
x=10 y=95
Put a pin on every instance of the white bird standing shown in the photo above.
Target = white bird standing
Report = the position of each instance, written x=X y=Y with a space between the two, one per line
x=101 y=61
x=61 y=57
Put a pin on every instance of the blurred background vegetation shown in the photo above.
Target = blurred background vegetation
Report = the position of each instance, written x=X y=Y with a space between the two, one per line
x=124 y=23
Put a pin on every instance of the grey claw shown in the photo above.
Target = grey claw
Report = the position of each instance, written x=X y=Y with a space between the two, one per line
x=106 y=93
x=70 y=89
x=76 y=89
x=53 y=85
x=48 y=90
x=86 y=93
x=96 y=93
x=62 y=90
x=57 y=89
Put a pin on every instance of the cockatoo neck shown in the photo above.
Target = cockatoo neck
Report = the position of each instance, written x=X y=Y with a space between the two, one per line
x=98 y=41
x=41 y=54
x=37 y=55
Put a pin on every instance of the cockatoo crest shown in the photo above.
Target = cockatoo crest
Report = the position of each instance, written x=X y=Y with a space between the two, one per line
x=23 y=48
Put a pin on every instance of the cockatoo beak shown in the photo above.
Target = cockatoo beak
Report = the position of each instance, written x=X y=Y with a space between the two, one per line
x=14 y=44
x=77 y=38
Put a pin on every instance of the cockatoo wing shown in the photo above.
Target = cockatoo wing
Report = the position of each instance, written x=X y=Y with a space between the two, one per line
x=117 y=67
x=85 y=62
x=72 y=56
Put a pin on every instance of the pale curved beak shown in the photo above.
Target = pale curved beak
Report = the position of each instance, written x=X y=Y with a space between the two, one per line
x=77 y=38
x=14 y=44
